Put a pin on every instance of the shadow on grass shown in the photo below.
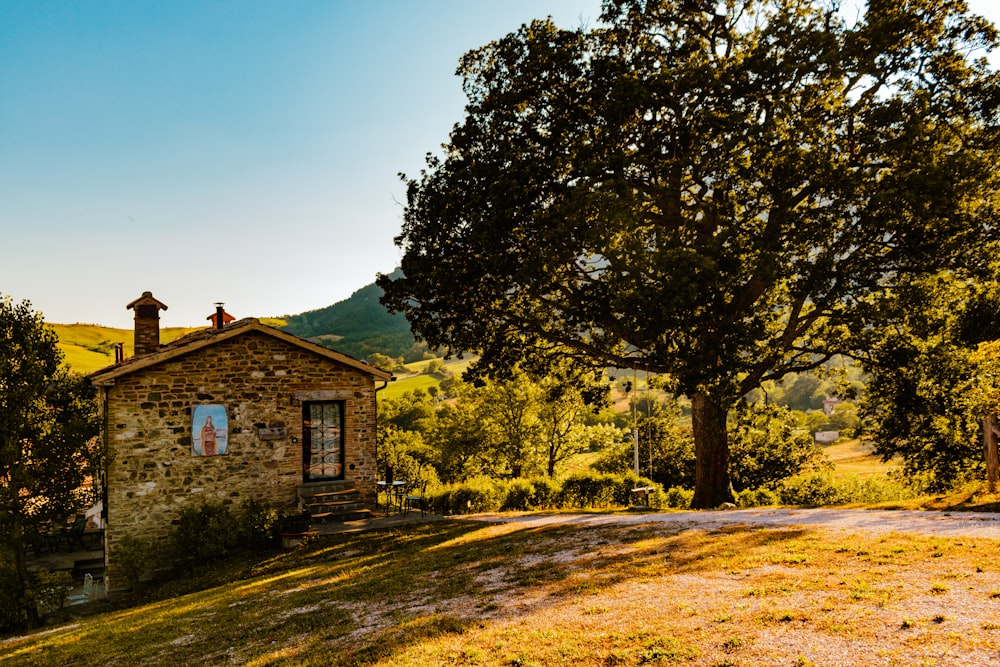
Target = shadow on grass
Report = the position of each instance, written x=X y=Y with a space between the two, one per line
x=357 y=599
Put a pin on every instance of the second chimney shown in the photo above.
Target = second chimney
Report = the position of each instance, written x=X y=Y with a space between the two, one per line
x=220 y=317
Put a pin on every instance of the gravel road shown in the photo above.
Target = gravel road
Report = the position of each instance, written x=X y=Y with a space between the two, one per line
x=948 y=524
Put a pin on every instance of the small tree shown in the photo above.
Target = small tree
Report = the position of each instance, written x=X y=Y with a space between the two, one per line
x=767 y=448
x=47 y=422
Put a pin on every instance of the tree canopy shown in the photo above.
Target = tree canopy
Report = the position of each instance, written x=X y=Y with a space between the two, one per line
x=718 y=197
x=47 y=419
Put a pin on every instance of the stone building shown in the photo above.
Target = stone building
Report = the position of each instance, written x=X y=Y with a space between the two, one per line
x=229 y=413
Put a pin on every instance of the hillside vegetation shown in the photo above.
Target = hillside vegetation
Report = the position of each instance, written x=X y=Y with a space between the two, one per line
x=358 y=326
x=91 y=347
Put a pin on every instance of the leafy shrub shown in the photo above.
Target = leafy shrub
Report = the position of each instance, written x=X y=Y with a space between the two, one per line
x=874 y=489
x=259 y=523
x=672 y=454
x=48 y=589
x=134 y=557
x=590 y=489
x=765 y=447
x=203 y=534
x=761 y=497
x=678 y=497
x=810 y=490
x=519 y=496
x=546 y=492
x=624 y=496
x=479 y=494
x=821 y=489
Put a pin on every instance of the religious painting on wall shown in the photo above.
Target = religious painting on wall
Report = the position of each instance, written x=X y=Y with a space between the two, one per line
x=209 y=430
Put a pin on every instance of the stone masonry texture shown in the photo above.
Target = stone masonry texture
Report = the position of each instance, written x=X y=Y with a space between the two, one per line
x=152 y=474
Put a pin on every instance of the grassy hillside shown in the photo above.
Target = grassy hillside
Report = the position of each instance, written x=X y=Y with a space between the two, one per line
x=90 y=347
x=414 y=377
x=468 y=593
x=358 y=326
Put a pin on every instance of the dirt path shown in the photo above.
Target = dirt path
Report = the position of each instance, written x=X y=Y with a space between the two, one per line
x=949 y=524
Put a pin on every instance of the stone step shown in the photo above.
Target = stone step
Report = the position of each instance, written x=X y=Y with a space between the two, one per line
x=334 y=507
x=340 y=517
x=312 y=488
x=333 y=496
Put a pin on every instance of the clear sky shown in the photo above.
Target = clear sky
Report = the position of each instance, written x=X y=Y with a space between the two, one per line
x=243 y=151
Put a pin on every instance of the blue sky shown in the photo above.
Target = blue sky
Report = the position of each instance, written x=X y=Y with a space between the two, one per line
x=224 y=150
x=227 y=150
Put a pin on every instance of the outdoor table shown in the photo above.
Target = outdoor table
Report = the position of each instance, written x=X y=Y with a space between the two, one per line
x=393 y=488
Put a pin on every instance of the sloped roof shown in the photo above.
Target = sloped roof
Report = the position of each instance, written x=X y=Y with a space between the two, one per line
x=211 y=336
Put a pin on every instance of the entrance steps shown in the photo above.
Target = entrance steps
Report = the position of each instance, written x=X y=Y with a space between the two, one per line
x=332 y=502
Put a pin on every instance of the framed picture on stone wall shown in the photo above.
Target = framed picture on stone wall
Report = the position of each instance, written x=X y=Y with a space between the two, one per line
x=209 y=430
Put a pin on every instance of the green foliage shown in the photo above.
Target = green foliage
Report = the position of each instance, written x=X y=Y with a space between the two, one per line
x=135 y=558
x=519 y=496
x=662 y=438
x=810 y=491
x=545 y=492
x=714 y=196
x=591 y=489
x=48 y=424
x=820 y=489
x=480 y=494
x=920 y=366
x=258 y=522
x=203 y=534
x=765 y=447
x=360 y=325
x=49 y=589
x=762 y=497
x=678 y=498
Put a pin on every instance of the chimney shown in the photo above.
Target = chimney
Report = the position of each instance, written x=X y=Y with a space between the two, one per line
x=147 y=323
x=220 y=318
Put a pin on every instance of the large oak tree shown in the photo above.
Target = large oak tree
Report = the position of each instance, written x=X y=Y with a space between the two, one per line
x=712 y=196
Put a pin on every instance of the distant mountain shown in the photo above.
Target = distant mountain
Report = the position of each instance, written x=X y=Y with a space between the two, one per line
x=358 y=326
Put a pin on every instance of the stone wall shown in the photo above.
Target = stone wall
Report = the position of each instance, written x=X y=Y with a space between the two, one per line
x=262 y=381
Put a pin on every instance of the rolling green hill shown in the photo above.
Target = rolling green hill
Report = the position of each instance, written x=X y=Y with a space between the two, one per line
x=90 y=347
x=358 y=326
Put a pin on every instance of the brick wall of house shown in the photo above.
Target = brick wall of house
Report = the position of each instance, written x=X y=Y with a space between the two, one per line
x=262 y=381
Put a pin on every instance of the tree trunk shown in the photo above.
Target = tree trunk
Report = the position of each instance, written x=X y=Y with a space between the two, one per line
x=21 y=565
x=990 y=433
x=711 y=450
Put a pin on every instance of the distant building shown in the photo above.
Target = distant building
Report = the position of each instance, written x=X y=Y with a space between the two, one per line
x=230 y=413
x=830 y=403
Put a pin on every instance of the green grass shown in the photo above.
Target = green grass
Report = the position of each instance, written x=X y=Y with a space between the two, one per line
x=90 y=347
x=855 y=458
x=455 y=592
x=413 y=378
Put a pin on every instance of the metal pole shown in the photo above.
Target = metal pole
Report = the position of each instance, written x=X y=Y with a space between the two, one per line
x=635 y=423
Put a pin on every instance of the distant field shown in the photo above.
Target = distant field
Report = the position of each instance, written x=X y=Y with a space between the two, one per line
x=91 y=347
x=415 y=379
x=854 y=457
